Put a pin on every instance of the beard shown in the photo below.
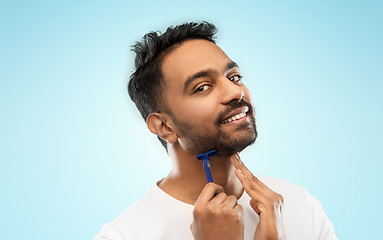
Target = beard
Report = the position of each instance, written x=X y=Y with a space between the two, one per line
x=199 y=138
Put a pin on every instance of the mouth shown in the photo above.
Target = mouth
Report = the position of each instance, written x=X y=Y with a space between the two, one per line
x=236 y=115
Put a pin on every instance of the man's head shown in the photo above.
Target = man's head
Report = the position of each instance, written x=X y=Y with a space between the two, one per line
x=190 y=92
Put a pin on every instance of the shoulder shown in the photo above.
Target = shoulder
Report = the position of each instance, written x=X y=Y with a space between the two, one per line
x=122 y=226
x=283 y=187
x=155 y=216
x=301 y=209
x=294 y=195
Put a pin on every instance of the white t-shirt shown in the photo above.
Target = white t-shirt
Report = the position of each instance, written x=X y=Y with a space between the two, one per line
x=159 y=216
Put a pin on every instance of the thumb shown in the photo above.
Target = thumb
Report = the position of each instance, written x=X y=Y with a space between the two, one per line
x=253 y=204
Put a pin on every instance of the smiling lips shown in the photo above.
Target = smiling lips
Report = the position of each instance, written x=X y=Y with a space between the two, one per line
x=238 y=114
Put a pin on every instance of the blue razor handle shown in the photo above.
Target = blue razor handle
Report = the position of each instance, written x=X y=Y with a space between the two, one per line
x=206 y=166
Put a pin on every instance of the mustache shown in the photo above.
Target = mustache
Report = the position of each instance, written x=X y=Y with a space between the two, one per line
x=231 y=107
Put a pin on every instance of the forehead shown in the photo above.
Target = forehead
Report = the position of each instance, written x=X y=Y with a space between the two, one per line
x=190 y=57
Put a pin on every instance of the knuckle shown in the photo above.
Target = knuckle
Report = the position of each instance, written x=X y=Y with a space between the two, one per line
x=223 y=195
x=216 y=211
x=211 y=185
x=226 y=211
x=213 y=210
x=209 y=208
x=232 y=198
x=234 y=215
x=278 y=198
x=214 y=185
x=197 y=212
x=254 y=178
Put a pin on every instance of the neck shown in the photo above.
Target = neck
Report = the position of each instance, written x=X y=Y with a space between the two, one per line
x=187 y=177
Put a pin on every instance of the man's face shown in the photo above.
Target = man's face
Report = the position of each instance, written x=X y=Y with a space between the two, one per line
x=209 y=105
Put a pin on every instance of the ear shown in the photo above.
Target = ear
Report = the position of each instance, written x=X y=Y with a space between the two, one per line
x=161 y=125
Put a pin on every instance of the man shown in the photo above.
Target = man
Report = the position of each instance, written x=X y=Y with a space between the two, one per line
x=192 y=97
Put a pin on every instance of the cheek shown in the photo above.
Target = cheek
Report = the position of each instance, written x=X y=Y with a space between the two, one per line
x=196 y=111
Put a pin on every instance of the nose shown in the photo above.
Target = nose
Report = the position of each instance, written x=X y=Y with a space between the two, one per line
x=231 y=92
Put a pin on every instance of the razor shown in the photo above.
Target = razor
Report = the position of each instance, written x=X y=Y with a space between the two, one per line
x=206 y=166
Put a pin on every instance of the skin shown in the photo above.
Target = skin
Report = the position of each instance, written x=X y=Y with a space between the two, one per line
x=201 y=106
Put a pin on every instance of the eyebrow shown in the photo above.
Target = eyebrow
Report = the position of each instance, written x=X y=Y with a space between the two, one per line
x=207 y=72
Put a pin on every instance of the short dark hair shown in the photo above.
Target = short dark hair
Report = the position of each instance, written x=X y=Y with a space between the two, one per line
x=146 y=83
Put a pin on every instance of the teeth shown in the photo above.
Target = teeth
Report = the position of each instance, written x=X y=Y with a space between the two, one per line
x=235 y=117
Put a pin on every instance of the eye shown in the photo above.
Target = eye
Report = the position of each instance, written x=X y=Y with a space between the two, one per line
x=235 y=78
x=202 y=88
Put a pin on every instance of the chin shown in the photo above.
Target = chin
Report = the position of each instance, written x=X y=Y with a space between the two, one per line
x=235 y=145
x=226 y=144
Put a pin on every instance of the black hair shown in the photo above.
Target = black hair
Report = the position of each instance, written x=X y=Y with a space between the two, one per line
x=146 y=83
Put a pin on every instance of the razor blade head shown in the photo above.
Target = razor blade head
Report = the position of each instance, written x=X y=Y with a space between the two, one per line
x=207 y=154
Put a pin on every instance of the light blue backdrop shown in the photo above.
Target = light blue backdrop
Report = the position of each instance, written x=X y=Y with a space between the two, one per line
x=75 y=153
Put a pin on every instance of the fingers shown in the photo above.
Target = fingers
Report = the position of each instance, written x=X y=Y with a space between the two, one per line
x=239 y=209
x=227 y=202
x=238 y=164
x=213 y=202
x=247 y=184
x=252 y=188
x=220 y=218
x=254 y=206
x=219 y=198
x=230 y=202
x=256 y=189
x=235 y=159
x=208 y=193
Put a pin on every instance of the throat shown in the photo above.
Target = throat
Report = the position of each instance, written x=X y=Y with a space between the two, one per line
x=186 y=181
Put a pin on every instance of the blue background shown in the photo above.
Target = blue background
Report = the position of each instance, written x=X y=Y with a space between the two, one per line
x=75 y=152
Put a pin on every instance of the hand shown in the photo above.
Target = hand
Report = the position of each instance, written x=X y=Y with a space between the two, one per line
x=265 y=202
x=216 y=215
